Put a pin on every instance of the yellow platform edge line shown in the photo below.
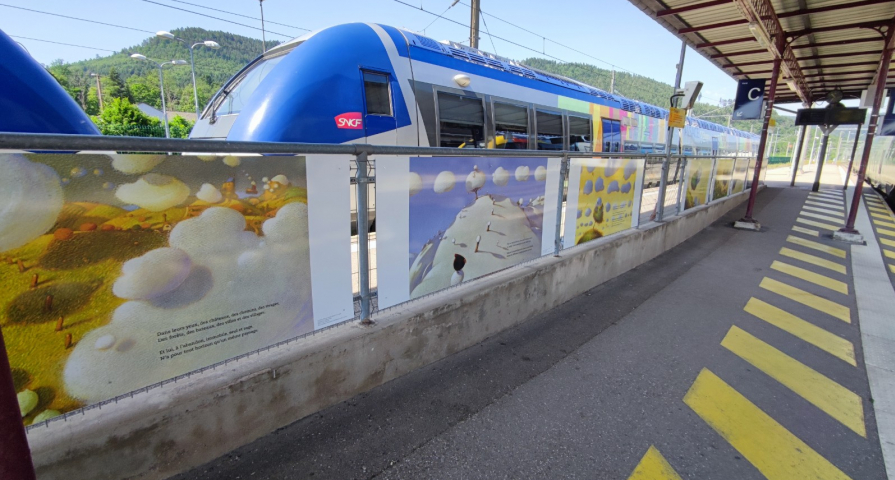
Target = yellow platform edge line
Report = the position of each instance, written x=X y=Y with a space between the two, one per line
x=806 y=331
x=812 y=223
x=808 y=299
x=838 y=252
x=889 y=253
x=828 y=211
x=820 y=216
x=887 y=242
x=892 y=268
x=824 y=205
x=813 y=260
x=653 y=466
x=806 y=231
x=767 y=445
x=811 y=277
x=883 y=231
x=832 y=398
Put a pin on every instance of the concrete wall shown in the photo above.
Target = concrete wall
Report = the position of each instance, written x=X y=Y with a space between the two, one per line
x=182 y=425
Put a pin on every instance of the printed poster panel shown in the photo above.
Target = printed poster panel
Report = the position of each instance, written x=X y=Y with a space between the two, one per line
x=447 y=220
x=722 y=176
x=606 y=195
x=121 y=271
x=738 y=180
x=698 y=177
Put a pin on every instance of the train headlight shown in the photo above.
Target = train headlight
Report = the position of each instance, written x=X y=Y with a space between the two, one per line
x=462 y=80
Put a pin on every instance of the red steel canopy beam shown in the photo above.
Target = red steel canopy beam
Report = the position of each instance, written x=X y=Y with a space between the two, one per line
x=736 y=54
x=690 y=8
x=833 y=28
x=725 y=42
x=838 y=55
x=880 y=81
x=837 y=43
x=712 y=26
x=830 y=8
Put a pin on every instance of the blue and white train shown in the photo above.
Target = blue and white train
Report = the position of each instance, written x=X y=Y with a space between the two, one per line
x=370 y=83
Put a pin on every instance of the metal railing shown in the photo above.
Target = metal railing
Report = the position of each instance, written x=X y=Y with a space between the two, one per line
x=363 y=177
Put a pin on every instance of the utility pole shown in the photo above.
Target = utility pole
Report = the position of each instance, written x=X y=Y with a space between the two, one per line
x=99 y=90
x=669 y=134
x=612 y=83
x=475 y=10
x=263 y=35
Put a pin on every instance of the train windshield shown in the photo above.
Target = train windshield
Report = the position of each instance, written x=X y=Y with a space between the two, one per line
x=234 y=96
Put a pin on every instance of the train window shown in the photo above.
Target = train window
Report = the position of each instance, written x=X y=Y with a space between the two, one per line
x=510 y=126
x=550 y=136
x=237 y=95
x=461 y=121
x=579 y=134
x=612 y=135
x=376 y=92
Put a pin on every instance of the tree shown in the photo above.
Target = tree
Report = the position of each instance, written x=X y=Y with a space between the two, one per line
x=116 y=87
x=180 y=127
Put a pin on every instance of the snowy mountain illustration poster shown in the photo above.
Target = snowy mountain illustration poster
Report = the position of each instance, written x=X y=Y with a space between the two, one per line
x=605 y=193
x=120 y=271
x=460 y=218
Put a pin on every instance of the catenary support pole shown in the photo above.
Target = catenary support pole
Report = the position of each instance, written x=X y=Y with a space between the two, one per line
x=363 y=229
x=475 y=10
x=263 y=34
x=851 y=160
x=848 y=232
x=762 y=144
x=161 y=82
x=795 y=159
x=669 y=134
x=15 y=456
x=821 y=159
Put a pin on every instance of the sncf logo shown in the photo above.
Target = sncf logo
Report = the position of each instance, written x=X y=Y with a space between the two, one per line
x=350 y=120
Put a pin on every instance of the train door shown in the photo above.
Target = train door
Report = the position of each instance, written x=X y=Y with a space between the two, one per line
x=612 y=137
x=380 y=126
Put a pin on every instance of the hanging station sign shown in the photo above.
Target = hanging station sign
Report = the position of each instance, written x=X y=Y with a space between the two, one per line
x=750 y=95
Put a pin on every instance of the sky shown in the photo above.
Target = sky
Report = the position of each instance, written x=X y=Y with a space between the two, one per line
x=619 y=36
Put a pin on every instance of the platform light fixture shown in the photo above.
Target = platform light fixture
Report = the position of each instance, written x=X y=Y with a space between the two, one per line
x=760 y=36
x=161 y=81
x=207 y=43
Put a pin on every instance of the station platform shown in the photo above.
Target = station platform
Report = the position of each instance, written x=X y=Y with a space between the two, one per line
x=736 y=355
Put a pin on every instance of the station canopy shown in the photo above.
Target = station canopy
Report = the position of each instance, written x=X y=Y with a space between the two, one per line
x=823 y=44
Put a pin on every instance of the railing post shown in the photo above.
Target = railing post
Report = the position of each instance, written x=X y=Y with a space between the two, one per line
x=563 y=173
x=681 y=186
x=663 y=184
x=363 y=227
x=15 y=456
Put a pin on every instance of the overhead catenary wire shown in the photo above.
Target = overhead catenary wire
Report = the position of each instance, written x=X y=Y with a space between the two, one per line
x=241 y=15
x=61 y=43
x=217 y=18
x=76 y=18
x=439 y=16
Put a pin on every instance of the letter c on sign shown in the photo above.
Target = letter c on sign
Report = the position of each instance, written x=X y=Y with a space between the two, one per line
x=750 y=93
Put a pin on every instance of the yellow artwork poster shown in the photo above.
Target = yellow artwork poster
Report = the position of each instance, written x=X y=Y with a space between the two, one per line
x=606 y=198
x=699 y=176
x=739 y=175
x=723 y=173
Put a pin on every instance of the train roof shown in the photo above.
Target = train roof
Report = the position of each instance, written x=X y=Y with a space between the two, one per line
x=479 y=57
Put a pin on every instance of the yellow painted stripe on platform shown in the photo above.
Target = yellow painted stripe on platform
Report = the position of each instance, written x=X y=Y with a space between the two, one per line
x=821 y=217
x=826 y=194
x=828 y=211
x=653 y=466
x=807 y=331
x=808 y=299
x=816 y=246
x=813 y=260
x=887 y=242
x=770 y=447
x=806 y=231
x=884 y=222
x=824 y=204
x=881 y=216
x=825 y=394
x=812 y=223
x=877 y=209
x=818 y=196
x=892 y=268
x=883 y=231
x=889 y=253
x=809 y=276
x=825 y=201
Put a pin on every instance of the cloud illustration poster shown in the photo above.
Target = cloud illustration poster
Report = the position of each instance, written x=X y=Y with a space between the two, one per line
x=605 y=194
x=452 y=219
x=121 y=271
x=698 y=177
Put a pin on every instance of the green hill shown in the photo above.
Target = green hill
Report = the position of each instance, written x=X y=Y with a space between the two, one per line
x=138 y=80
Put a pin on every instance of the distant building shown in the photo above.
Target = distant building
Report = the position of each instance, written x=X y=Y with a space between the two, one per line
x=154 y=112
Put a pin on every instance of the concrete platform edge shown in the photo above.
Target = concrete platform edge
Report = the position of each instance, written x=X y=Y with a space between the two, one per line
x=181 y=425
x=876 y=302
